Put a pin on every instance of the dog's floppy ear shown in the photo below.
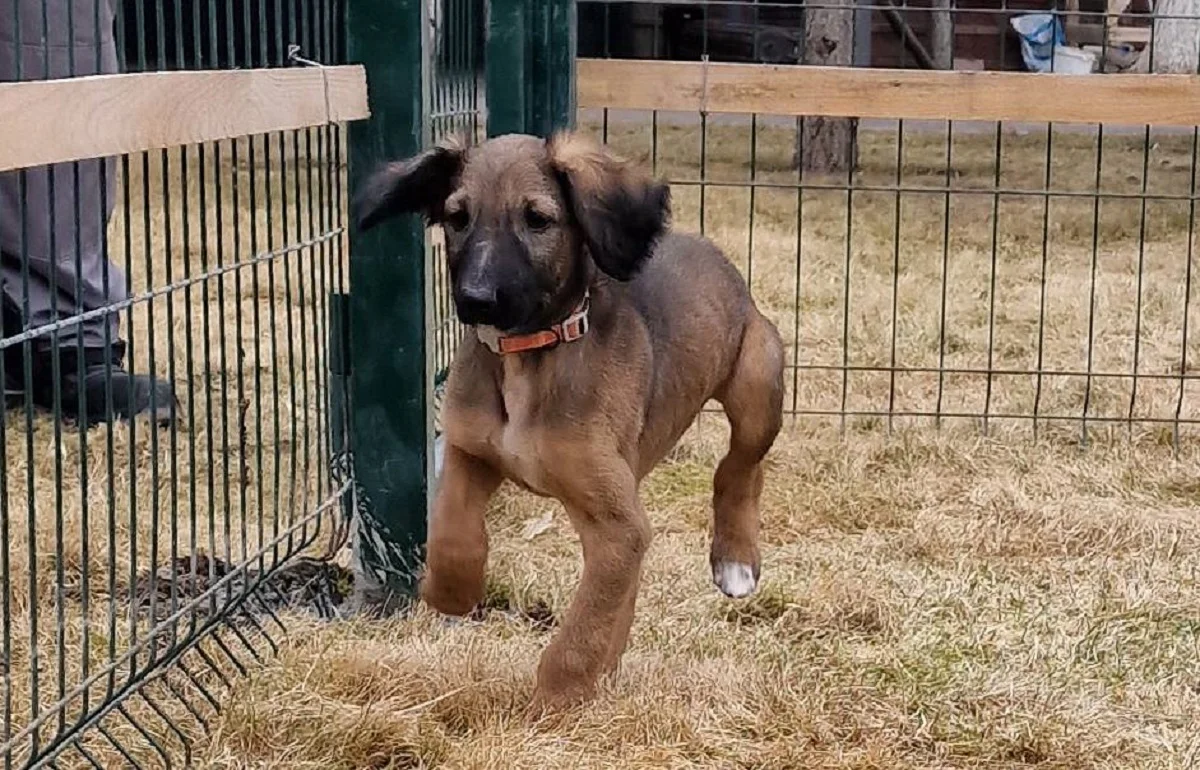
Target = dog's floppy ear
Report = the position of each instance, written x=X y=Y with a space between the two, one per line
x=621 y=211
x=419 y=184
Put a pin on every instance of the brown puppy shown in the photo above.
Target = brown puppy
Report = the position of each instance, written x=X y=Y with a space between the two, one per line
x=597 y=338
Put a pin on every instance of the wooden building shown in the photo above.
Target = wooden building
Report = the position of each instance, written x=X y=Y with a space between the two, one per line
x=773 y=32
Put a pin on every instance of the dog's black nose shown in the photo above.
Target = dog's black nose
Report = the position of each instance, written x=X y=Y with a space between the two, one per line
x=477 y=304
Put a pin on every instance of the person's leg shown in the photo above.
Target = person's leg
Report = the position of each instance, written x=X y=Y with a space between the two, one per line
x=53 y=222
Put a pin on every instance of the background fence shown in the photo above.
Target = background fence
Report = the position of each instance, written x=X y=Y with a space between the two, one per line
x=1010 y=250
x=1017 y=256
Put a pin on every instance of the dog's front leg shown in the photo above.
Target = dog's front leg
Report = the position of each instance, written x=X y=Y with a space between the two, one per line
x=457 y=549
x=615 y=534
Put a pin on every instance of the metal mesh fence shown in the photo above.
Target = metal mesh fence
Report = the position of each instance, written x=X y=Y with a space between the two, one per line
x=1006 y=275
x=145 y=562
x=456 y=109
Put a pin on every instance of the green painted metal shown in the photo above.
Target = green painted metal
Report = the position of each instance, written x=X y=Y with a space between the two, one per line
x=552 y=49
x=507 y=67
x=455 y=109
x=388 y=308
x=338 y=362
x=531 y=66
x=146 y=565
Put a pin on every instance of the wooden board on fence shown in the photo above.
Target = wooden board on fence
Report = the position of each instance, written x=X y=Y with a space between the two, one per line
x=886 y=93
x=51 y=121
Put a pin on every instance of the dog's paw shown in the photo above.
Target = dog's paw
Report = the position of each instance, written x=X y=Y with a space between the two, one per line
x=736 y=580
x=557 y=704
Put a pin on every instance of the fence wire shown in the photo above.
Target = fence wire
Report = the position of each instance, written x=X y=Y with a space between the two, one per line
x=144 y=563
x=1005 y=275
x=456 y=87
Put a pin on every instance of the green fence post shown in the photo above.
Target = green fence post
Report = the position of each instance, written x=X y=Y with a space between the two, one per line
x=531 y=66
x=389 y=362
x=507 y=62
x=553 y=81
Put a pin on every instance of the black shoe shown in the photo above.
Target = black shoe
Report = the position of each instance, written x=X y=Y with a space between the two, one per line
x=104 y=391
x=101 y=392
x=12 y=392
x=10 y=325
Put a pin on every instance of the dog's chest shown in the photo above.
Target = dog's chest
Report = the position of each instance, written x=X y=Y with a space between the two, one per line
x=514 y=441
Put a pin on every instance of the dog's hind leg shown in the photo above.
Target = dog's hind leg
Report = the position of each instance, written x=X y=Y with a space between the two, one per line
x=457 y=550
x=753 y=402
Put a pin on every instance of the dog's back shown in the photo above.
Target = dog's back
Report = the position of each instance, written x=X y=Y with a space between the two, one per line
x=695 y=303
x=697 y=309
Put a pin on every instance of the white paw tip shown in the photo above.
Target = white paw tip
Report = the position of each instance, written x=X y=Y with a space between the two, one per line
x=735 y=579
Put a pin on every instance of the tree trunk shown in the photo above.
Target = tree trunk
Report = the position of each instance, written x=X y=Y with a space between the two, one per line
x=1175 y=44
x=943 y=35
x=827 y=145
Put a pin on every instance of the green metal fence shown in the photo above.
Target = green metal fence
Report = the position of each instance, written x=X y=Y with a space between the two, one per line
x=402 y=312
x=144 y=565
x=1013 y=277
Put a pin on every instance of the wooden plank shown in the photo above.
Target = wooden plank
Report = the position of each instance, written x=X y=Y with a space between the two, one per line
x=744 y=89
x=1118 y=35
x=51 y=121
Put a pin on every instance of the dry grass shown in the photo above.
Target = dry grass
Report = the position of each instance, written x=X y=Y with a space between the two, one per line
x=927 y=602
x=929 y=599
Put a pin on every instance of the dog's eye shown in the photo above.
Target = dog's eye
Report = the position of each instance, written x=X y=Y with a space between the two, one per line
x=536 y=220
x=458 y=219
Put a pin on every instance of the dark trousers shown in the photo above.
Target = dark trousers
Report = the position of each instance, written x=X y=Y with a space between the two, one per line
x=58 y=231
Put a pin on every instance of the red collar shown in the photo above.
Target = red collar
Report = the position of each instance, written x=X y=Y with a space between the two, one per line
x=569 y=330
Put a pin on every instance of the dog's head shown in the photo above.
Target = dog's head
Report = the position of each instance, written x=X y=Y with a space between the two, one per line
x=525 y=220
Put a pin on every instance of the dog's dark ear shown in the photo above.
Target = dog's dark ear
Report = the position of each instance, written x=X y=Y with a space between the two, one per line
x=621 y=211
x=418 y=184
